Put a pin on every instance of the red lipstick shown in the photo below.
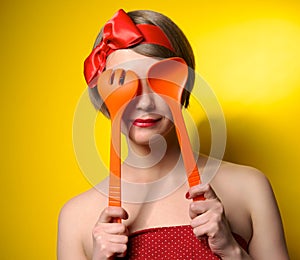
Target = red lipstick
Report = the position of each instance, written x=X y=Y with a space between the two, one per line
x=145 y=122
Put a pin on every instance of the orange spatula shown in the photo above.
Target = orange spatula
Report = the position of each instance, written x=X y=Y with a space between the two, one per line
x=167 y=78
x=116 y=88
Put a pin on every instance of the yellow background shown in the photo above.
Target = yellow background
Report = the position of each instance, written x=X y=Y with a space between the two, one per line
x=248 y=51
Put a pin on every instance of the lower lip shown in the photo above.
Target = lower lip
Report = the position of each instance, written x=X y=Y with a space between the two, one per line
x=145 y=124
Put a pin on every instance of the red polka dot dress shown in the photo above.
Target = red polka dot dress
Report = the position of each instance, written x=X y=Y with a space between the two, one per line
x=176 y=242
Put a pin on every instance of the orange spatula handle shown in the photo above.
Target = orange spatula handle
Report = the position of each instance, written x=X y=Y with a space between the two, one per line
x=114 y=198
x=190 y=164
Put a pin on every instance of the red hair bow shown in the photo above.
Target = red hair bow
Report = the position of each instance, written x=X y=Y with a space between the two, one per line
x=120 y=32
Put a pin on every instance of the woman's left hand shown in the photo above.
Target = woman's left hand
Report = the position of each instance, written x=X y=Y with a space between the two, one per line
x=208 y=218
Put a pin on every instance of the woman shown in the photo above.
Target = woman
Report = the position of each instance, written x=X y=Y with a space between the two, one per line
x=239 y=218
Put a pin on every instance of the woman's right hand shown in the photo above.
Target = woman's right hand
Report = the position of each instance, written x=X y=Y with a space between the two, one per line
x=109 y=238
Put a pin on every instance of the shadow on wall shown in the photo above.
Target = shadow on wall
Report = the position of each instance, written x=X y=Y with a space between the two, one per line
x=272 y=146
x=249 y=141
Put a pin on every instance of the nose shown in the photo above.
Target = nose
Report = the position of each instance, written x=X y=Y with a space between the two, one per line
x=145 y=97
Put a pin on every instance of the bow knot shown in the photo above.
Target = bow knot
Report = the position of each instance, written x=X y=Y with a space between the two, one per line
x=120 y=32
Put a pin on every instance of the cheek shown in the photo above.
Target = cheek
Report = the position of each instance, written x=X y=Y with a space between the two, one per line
x=125 y=123
x=168 y=125
x=165 y=110
x=128 y=113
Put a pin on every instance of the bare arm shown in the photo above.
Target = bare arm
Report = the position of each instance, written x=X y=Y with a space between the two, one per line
x=268 y=241
x=69 y=245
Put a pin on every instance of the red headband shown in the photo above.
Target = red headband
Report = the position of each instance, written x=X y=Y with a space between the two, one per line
x=120 y=32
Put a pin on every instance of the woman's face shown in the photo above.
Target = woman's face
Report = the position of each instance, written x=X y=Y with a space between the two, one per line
x=147 y=114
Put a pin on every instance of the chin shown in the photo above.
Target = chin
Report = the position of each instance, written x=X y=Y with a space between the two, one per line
x=141 y=139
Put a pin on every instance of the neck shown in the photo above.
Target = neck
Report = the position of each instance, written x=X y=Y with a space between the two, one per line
x=147 y=163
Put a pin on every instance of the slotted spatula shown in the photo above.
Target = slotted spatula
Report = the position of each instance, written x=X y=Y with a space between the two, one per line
x=168 y=78
x=116 y=88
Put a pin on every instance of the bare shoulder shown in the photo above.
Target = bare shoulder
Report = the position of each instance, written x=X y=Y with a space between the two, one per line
x=79 y=210
x=76 y=220
x=82 y=203
x=240 y=172
x=244 y=183
x=241 y=178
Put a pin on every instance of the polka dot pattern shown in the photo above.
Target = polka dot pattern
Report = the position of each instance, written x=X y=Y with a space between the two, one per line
x=176 y=242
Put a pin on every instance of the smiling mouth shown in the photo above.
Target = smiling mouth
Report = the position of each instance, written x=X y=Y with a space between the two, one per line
x=145 y=122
